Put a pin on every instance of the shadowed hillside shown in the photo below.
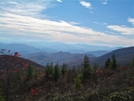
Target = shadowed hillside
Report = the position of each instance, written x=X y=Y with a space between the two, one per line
x=15 y=61
x=58 y=57
x=123 y=56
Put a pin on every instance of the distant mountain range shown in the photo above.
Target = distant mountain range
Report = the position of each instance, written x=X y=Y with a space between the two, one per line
x=23 y=48
x=52 y=47
x=44 y=55
x=124 y=57
x=58 y=57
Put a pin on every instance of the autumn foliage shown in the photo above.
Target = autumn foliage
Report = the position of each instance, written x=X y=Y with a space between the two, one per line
x=23 y=80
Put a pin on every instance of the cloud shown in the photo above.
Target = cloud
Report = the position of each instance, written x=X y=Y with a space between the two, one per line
x=104 y=2
x=25 y=8
x=122 y=29
x=85 y=4
x=59 y=0
x=74 y=23
x=98 y=23
x=44 y=29
x=11 y=2
x=131 y=20
x=22 y=22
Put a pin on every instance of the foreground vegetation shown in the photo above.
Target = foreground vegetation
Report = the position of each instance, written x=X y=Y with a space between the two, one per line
x=23 y=81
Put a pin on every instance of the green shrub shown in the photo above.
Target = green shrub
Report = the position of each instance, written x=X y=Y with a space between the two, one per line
x=127 y=95
x=77 y=82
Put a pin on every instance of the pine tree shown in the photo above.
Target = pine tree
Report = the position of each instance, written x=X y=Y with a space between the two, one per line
x=63 y=68
x=95 y=66
x=30 y=72
x=56 y=72
x=132 y=62
x=77 y=82
x=108 y=63
x=49 y=71
x=114 y=62
x=86 y=68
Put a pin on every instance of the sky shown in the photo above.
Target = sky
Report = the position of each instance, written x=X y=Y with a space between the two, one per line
x=94 y=22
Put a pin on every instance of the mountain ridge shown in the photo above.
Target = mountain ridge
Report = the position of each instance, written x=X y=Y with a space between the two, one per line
x=51 y=47
x=123 y=56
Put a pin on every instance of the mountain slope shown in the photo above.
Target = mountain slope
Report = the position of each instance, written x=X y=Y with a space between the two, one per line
x=7 y=61
x=58 y=57
x=123 y=56
x=24 y=49
x=98 y=53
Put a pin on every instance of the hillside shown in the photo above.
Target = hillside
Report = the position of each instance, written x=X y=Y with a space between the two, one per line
x=123 y=56
x=58 y=57
x=98 y=53
x=7 y=61
x=59 y=84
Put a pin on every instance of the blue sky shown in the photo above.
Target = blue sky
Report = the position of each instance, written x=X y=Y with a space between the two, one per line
x=95 y=22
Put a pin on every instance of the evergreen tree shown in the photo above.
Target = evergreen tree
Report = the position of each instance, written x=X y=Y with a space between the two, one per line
x=49 y=70
x=86 y=69
x=30 y=72
x=63 y=68
x=56 y=72
x=114 y=62
x=95 y=66
x=132 y=62
x=108 y=63
x=77 y=82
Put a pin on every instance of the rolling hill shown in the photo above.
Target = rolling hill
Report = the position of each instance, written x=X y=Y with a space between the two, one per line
x=45 y=55
x=7 y=61
x=124 y=56
x=58 y=57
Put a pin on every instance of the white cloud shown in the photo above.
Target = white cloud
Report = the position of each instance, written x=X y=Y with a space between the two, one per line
x=98 y=23
x=20 y=20
x=25 y=8
x=85 y=4
x=104 y=2
x=74 y=23
x=59 y=0
x=131 y=20
x=55 y=30
x=122 y=29
x=12 y=2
